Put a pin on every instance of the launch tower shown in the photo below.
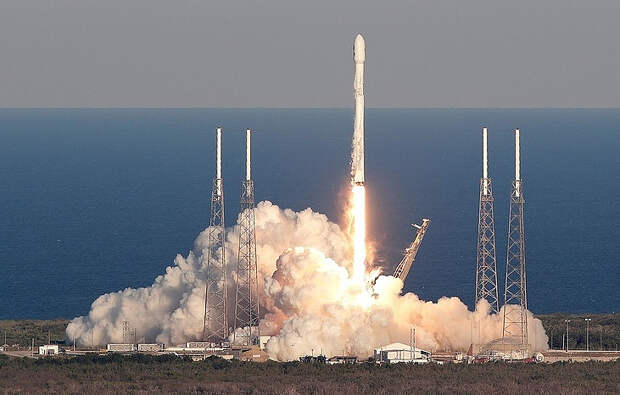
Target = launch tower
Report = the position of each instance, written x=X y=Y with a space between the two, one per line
x=515 y=292
x=247 y=303
x=403 y=268
x=486 y=261
x=215 y=325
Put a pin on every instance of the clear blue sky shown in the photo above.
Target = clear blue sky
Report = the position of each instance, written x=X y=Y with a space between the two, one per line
x=284 y=53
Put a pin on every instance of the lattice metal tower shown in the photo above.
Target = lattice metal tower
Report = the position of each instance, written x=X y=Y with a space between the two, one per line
x=403 y=268
x=486 y=261
x=247 y=305
x=515 y=292
x=126 y=332
x=215 y=324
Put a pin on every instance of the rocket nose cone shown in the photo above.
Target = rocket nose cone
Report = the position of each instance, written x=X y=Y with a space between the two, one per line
x=359 y=49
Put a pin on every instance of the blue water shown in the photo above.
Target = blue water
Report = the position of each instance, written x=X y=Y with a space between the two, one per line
x=94 y=201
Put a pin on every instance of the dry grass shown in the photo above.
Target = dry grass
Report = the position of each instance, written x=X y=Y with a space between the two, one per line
x=145 y=374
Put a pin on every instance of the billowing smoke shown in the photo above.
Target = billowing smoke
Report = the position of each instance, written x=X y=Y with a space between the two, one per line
x=309 y=298
x=171 y=310
x=321 y=309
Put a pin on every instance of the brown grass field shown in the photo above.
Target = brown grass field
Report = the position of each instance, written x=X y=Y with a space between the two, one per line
x=168 y=374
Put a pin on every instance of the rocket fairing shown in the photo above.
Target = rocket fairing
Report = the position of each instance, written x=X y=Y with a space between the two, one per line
x=357 y=156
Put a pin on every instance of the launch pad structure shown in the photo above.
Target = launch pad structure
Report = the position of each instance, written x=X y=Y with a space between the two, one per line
x=247 y=306
x=403 y=268
x=515 y=327
x=486 y=260
x=215 y=324
x=513 y=343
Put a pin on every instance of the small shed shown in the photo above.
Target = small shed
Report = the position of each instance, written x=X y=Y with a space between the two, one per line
x=150 y=347
x=48 y=349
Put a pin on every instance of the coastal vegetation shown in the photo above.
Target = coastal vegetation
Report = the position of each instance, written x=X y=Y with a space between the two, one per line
x=115 y=373
x=604 y=331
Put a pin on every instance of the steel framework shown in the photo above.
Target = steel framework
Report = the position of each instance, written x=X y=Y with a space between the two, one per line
x=515 y=291
x=486 y=261
x=215 y=324
x=247 y=306
x=126 y=332
x=403 y=268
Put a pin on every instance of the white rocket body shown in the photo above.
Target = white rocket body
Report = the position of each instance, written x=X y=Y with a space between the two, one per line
x=357 y=156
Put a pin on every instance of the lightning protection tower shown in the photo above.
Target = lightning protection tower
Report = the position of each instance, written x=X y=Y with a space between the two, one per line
x=247 y=303
x=126 y=332
x=486 y=262
x=515 y=292
x=215 y=325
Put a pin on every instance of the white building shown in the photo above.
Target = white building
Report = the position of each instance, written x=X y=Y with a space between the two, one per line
x=150 y=347
x=202 y=345
x=48 y=349
x=399 y=352
x=121 y=347
x=206 y=345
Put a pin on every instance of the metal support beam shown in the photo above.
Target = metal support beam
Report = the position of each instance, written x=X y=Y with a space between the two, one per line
x=515 y=291
x=215 y=324
x=247 y=306
x=486 y=261
x=403 y=268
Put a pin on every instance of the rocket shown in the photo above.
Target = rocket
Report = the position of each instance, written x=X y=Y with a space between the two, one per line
x=357 y=155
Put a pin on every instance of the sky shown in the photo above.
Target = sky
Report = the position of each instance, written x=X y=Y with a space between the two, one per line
x=287 y=53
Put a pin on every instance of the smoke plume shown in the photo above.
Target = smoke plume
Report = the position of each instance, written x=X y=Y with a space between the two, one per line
x=309 y=299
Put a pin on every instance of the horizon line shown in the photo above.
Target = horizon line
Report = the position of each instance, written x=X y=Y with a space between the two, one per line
x=300 y=108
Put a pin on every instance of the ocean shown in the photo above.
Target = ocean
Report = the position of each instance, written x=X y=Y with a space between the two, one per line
x=98 y=200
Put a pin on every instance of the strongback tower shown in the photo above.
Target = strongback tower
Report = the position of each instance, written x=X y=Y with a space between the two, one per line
x=486 y=263
x=247 y=303
x=515 y=291
x=215 y=325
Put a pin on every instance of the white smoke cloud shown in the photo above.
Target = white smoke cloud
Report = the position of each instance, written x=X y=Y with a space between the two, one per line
x=171 y=310
x=308 y=297
x=323 y=310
